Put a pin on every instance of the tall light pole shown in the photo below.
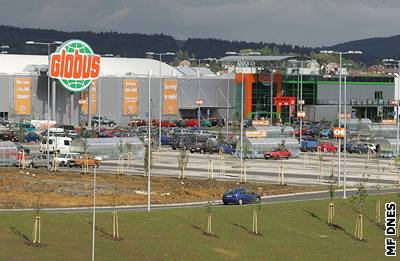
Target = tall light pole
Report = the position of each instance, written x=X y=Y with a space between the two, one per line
x=149 y=147
x=301 y=100
x=99 y=92
x=227 y=111
x=48 y=44
x=345 y=138
x=94 y=212
x=241 y=108
x=397 y=105
x=198 y=86
x=339 y=113
x=4 y=48
x=160 y=55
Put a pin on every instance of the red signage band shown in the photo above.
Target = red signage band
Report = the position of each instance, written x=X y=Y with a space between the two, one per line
x=285 y=101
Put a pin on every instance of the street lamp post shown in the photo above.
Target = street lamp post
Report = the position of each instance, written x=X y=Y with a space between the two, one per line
x=241 y=109
x=99 y=92
x=48 y=44
x=149 y=147
x=227 y=112
x=397 y=105
x=199 y=86
x=301 y=99
x=161 y=87
x=339 y=114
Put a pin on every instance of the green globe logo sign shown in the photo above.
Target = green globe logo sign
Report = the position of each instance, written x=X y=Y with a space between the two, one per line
x=75 y=65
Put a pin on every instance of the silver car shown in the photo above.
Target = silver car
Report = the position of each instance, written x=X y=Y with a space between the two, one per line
x=38 y=160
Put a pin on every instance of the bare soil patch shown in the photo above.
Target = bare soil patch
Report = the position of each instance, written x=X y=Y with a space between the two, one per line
x=71 y=189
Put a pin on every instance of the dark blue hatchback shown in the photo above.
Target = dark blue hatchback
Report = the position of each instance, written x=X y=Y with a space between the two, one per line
x=240 y=196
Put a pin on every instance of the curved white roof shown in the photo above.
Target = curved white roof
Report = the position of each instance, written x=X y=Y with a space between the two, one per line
x=110 y=66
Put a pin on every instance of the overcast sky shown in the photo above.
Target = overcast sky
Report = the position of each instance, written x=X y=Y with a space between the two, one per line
x=304 y=22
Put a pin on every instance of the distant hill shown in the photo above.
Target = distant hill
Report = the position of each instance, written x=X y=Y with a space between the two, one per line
x=132 y=44
x=374 y=49
x=136 y=45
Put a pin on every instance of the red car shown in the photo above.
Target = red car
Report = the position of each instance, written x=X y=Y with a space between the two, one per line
x=297 y=132
x=327 y=146
x=168 y=124
x=191 y=123
x=278 y=154
x=135 y=122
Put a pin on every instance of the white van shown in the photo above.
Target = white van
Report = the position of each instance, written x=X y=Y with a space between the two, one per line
x=55 y=144
x=63 y=158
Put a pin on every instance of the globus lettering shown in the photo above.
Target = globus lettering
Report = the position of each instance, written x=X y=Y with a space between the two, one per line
x=74 y=66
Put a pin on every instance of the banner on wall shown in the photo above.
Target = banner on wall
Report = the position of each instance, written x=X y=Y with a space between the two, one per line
x=131 y=91
x=23 y=95
x=93 y=99
x=170 y=97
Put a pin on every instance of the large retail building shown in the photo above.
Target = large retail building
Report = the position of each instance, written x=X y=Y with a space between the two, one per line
x=121 y=92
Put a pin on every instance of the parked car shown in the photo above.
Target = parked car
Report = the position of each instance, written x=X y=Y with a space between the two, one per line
x=26 y=126
x=63 y=159
x=372 y=147
x=217 y=122
x=360 y=148
x=60 y=132
x=311 y=132
x=104 y=134
x=226 y=148
x=327 y=147
x=102 y=120
x=198 y=147
x=297 y=132
x=31 y=136
x=205 y=123
x=309 y=145
x=72 y=134
x=81 y=160
x=181 y=140
x=348 y=145
x=136 y=122
x=67 y=127
x=326 y=133
x=191 y=123
x=164 y=139
x=38 y=160
x=168 y=124
x=240 y=196
x=8 y=135
x=5 y=123
x=180 y=123
x=278 y=154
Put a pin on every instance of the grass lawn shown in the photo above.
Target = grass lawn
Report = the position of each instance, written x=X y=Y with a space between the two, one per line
x=291 y=231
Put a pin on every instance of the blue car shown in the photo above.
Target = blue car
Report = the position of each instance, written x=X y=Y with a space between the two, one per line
x=227 y=149
x=240 y=196
x=32 y=136
x=326 y=133
x=164 y=140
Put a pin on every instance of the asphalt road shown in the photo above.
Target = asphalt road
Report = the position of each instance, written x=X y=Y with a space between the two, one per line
x=265 y=200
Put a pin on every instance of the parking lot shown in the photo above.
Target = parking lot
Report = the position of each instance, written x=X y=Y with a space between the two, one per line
x=212 y=154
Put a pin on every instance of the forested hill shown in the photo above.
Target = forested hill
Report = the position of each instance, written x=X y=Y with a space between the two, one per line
x=132 y=44
x=136 y=45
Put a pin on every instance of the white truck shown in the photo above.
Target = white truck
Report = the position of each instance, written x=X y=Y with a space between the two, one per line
x=55 y=144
